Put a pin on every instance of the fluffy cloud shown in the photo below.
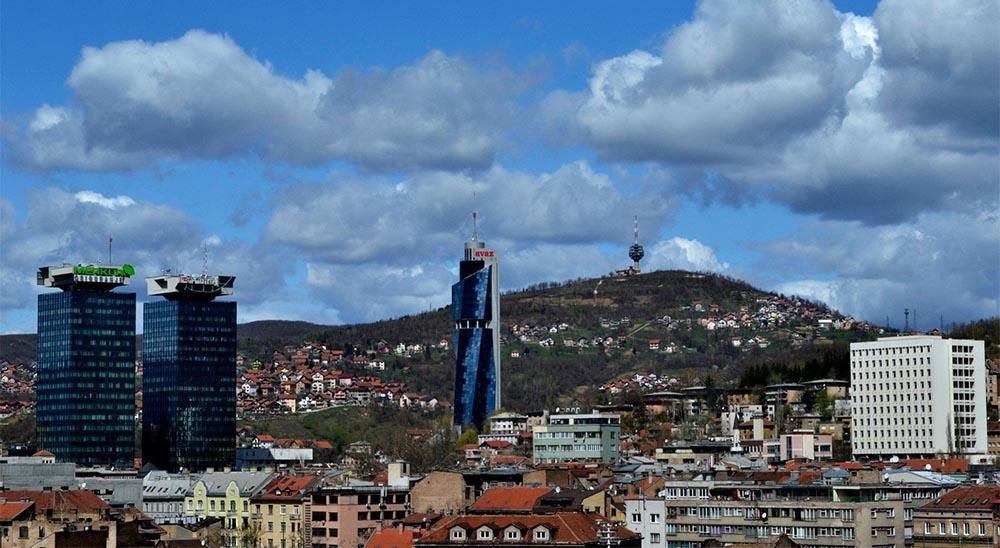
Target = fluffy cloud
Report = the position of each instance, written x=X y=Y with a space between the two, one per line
x=684 y=254
x=940 y=264
x=376 y=291
x=60 y=226
x=740 y=77
x=202 y=96
x=873 y=119
x=941 y=64
x=426 y=216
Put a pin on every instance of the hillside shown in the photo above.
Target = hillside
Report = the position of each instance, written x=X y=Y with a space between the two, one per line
x=21 y=348
x=561 y=341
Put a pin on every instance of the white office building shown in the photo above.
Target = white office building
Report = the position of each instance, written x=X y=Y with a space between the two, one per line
x=918 y=396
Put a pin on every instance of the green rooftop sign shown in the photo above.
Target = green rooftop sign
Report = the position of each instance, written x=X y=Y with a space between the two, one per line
x=126 y=270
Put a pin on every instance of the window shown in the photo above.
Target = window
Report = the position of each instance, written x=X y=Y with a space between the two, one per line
x=485 y=533
x=541 y=533
x=654 y=538
x=965 y=528
x=512 y=534
x=636 y=518
x=458 y=533
x=954 y=528
x=654 y=518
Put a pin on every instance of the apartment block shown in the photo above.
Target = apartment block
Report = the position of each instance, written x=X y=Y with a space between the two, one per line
x=588 y=437
x=687 y=522
x=918 y=396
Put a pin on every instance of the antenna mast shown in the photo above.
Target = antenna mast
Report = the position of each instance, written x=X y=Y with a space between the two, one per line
x=109 y=249
x=635 y=229
x=475 y=226
x=204 y=260
x=906 y=324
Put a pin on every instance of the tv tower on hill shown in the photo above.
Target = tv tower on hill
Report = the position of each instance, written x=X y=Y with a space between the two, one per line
x=635 y=251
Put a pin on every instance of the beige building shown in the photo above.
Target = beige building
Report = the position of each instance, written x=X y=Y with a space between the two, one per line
x=282 y=513
x=47 y=519
x=225 y=495
x=966 y=516
x=347 y=516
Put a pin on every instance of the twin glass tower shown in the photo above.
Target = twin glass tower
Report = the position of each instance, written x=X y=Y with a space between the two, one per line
x=86 y=383
x=475 y=308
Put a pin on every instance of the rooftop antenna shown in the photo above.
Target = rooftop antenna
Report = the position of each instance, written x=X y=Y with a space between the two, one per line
x=906 y=321
x=109 y=249
x=475 y=226
x=204 y=259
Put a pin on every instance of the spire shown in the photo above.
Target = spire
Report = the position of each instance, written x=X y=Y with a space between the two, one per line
x=475 y=226
x=635 y=229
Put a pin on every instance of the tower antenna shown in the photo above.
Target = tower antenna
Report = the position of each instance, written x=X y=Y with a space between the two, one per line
x=109 y=248
x=475 y=226
x=635 y=251
x=906 y=321
x=204 y=259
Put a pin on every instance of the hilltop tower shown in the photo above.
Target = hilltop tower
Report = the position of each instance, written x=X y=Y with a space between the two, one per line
x=635 y=251
x=189 y=370
x=475 y=308
x=86 y=365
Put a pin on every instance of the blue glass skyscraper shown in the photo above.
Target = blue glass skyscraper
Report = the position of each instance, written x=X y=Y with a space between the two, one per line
x=189 y=374
x=475 y=307
x=86 y=365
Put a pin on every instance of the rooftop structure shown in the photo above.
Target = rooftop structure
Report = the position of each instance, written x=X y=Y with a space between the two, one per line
x=85 y=276
x=175 y=287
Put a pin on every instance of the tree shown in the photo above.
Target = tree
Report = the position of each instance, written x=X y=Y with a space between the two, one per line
x=470 y=436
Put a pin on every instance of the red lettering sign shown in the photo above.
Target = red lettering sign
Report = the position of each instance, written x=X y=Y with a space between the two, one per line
x=487 y=253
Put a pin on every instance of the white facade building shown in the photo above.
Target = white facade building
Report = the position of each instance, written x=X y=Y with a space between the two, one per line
x=918 y=396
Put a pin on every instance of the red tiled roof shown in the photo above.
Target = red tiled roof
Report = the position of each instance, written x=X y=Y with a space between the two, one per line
x=510 y=499
x=11 y=509
x=978 y=497
x=286 y=488
x=564 y=527
x=941 y=466
x=77 y=499
x=391 y=538
x=497 y=444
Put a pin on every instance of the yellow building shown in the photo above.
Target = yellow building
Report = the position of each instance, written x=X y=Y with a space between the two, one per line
x=282 y=512
x=226 y=495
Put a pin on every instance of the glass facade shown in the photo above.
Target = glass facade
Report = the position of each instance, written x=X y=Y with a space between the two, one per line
x=476 y=368
x=86 y=377
x=189 y=384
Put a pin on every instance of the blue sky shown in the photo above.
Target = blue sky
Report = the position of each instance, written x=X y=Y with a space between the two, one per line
x=328 y=155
